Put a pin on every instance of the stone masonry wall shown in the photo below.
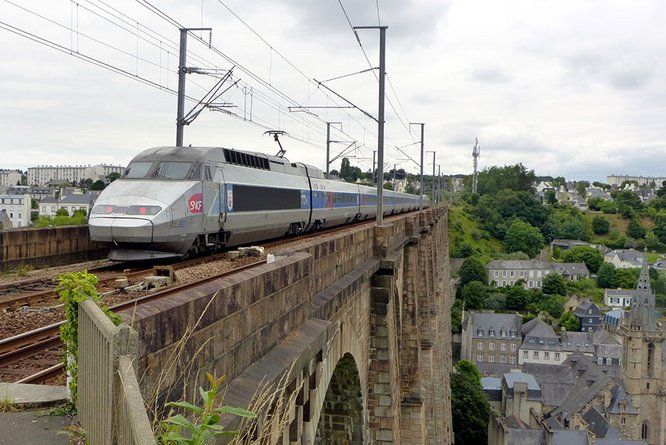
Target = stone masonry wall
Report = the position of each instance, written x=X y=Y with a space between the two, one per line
x=374 y=298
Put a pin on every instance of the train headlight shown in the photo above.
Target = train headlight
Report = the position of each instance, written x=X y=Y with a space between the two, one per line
x=103 y=209
x=144 y=210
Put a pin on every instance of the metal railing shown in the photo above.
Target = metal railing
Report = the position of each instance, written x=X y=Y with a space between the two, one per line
x=109 y=403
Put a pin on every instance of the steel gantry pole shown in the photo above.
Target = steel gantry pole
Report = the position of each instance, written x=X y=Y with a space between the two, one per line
x=374 y=152
x=328 y=147
x=433 y=177
x=380 y=121
x=421 y=165
x=439 y=183
x=182 y=70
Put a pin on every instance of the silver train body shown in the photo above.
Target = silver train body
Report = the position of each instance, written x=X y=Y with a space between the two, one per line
x=173 y=201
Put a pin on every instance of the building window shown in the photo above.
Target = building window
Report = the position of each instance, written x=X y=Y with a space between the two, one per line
x=525 y=354
x=504 y=273
x=590 y=320
x=557 y=356
x=503 y=282
x=513 y=347
x=479 y=346
x=535 y=354
x=479 y=359
x=491 y=333
x=512 y=360
x=546 y=355
x=503 y=347
x=502 y=359
x=623 y=421
x=600 y=361
x=497 y=273
x=513 y=273
x=491 y=346
x=503 y=333
x=491 y=359
x=513 y=333
x=479 y=333
x=644 y=429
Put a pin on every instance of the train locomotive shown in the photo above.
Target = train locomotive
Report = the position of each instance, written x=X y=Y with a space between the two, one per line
x=177 y=201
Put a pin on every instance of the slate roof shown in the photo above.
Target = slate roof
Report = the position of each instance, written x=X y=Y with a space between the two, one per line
x=555 y=381
x=569 y=437
x=596 y=422
x=526 y=437
x=540 y=336
x=590 y=379
x=571 y=269
x=613 y=437
x=583 y=307
x=539 y=328
x=511 y=378
x=577 y=341
x=618 y=394
x=486 y=321
x=518 y=264
x=491 y=383
x=619 y=292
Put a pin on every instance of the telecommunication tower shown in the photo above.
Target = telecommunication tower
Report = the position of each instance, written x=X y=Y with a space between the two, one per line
x=476 y=152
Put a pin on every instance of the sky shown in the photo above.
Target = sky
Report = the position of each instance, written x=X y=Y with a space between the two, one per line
x=571 y=88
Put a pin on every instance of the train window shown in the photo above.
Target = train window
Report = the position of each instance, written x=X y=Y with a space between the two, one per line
x=137 y=169
x=196 y=172
x=251 y=198
x=173 y=170
x=209 y=177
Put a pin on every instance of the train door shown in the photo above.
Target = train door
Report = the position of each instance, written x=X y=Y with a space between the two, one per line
x=211 y=202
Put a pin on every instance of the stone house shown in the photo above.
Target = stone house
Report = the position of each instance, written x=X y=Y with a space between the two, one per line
x=618 y=298
x=625 y=258
x=540 y=344
x=589 y=316
x=489 y=338
x=531 y=272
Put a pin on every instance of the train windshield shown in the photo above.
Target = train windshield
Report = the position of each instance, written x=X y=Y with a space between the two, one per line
x=173 y=170
x=137 y=169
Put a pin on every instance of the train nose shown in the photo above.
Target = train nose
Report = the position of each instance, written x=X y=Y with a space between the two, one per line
x=122 y=230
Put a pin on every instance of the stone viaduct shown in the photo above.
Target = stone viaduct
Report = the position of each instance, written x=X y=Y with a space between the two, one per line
x=357 y=321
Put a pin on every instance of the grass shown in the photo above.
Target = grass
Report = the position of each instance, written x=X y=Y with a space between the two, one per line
x=463 y=229
x=7 y=405
x=653 y=257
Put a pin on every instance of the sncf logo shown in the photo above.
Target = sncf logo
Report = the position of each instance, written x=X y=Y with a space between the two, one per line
x=195 y=203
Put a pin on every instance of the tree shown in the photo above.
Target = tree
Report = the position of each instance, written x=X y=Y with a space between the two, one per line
x=550 y=196
x=495 y=302
x=472 y=270
x=554 y=305
x=635 y=229
x=600 y=225
x=88 y=182
x=456 y=316
x=469 y=405
x=512 y=177
x=567 y=225
x=606 y=276
x=112 y=177
x=523 y=237
x=569 y=322
x=98 y=185
x=584 y=254
x=474 y=294
x=62 y=212
x=554 y=284
x=581 y=187
x=462 y=250
x=627 y=278
x=517 y=298
x=660 y=228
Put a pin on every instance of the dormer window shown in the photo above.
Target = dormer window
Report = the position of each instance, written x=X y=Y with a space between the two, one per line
x=513 y=333
x=479 y=332
x=503 y=333
x=491 y=333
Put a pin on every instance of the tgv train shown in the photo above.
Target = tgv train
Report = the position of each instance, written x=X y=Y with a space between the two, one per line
x=175 y=201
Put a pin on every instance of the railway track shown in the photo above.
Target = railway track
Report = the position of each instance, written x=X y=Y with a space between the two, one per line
x=36 y=356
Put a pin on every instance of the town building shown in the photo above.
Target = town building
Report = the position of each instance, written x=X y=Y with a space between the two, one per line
x=577 y=342
x=16 y=210
x=612 y=319
x=43 y=175
x=531 y=272
x=588 y=315
x=49 y=207
x=540 y=344
x=10 y=178
x=490 y=339
x=625 y=258
x=618 y=298
x=641 y=180
x=37 y=193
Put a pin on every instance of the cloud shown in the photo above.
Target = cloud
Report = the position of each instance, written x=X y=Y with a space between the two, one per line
x=491 y=76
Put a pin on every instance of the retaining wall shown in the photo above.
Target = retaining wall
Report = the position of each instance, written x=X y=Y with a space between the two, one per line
x=51 y=246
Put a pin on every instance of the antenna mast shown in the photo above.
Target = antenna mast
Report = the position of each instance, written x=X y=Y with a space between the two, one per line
x=476 y=152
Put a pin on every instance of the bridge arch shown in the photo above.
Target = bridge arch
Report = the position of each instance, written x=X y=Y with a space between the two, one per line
x=341 y=417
